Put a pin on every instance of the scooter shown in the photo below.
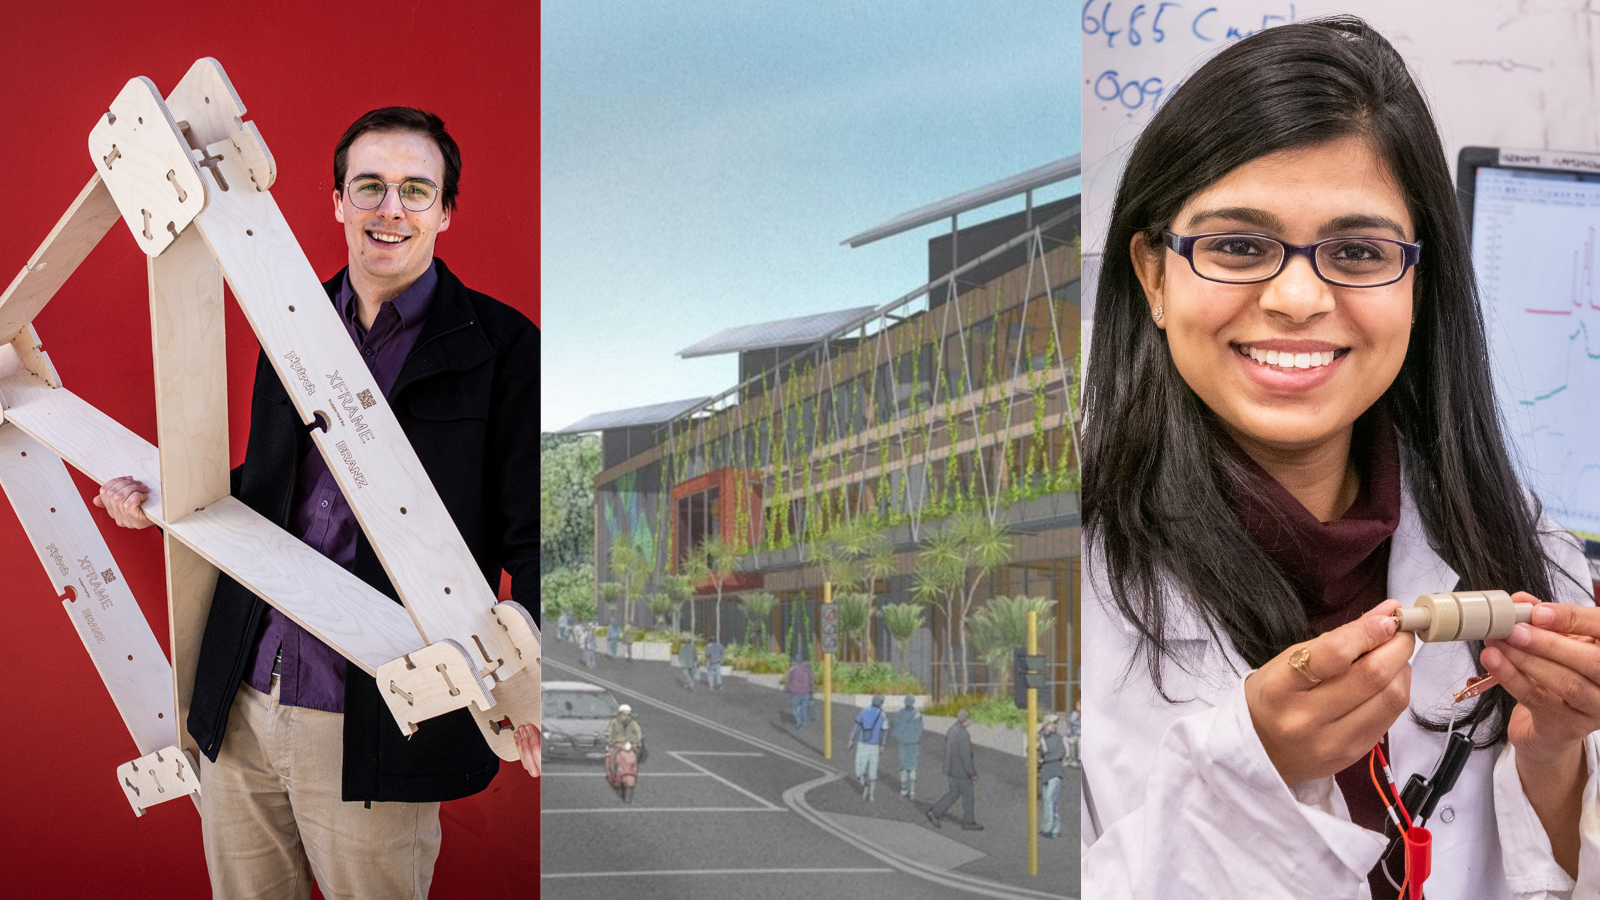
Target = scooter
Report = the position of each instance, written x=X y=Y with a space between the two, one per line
x=622 y=769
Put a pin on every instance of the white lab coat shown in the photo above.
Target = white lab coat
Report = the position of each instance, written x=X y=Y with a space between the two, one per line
x=1189 y=806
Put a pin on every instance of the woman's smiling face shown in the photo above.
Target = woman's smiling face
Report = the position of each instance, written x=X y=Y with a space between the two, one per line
x=1219 y=333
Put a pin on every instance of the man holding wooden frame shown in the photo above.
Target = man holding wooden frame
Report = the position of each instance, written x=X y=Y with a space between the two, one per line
x=303 y=766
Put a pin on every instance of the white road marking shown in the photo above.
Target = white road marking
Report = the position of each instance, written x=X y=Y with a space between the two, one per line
x=602 y=775
x=657 y=872
x=683 y=758
x=660 y=809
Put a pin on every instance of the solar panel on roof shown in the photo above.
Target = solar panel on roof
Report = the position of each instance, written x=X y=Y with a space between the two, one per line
x=636 y=416
x=1033 y=179
x=780 y=333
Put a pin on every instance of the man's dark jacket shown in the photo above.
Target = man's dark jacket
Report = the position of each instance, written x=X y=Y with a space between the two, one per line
x=465 y=399
x=958 y=753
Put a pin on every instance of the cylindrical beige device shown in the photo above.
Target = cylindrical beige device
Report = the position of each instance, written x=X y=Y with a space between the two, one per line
x=1463 y=616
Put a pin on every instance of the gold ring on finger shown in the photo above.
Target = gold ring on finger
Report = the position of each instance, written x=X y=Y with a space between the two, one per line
x=1300 y=661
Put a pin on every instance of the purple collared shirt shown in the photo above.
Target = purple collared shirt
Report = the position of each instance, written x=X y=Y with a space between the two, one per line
x=311 y=674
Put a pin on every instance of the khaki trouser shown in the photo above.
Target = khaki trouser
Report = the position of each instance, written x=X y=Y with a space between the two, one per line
x=272 y=819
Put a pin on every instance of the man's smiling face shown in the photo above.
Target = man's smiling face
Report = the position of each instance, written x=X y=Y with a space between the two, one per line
x=391 y=246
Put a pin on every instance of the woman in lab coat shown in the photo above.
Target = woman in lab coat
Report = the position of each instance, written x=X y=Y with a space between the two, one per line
x=1289 y=420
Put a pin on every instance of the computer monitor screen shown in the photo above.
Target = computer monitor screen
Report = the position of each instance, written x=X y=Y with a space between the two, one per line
x=1533 y=248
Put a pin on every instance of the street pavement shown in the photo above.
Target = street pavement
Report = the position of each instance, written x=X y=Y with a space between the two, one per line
x=733 y=798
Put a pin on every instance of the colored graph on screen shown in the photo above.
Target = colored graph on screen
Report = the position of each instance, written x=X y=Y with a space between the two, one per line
x=1533 y=247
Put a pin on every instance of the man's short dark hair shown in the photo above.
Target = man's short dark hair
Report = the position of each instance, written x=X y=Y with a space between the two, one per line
x=403 y=118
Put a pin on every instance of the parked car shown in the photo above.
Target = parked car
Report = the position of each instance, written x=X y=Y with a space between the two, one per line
x=575 y=713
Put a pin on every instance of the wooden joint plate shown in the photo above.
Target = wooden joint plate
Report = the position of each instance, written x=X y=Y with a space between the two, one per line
x=431 y=682
x=158 y=777
x=208 y=104
x=145 y=163
x=522 y=629
x=517 y=702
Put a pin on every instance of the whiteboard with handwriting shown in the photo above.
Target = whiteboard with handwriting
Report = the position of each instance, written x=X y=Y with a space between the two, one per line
x=1496 y=72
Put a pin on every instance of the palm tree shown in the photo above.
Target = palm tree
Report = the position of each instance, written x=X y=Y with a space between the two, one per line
x=659 y=604
x=902 y=620
x=1000 y=628
x=717 y=560
x=855 y=614
x=931 y=587
x=962 y=554
x=681 y=589
x=854 y=556
x=631 y=568
x=611 y=592
x=757 y=610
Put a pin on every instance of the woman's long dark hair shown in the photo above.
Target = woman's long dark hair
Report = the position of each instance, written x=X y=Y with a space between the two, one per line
x=1153 y=486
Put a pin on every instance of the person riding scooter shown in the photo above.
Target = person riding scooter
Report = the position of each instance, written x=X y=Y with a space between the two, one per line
x=624 y=740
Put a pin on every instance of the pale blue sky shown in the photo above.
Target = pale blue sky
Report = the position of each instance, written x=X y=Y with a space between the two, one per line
x=702 y=160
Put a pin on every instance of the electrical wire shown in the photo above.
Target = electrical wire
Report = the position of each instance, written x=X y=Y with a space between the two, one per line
x=1405 y=826
x=1389 y=776
x=1387 y=806
x=1399 y=888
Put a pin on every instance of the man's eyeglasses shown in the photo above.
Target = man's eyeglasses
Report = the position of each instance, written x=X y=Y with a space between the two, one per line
x=368 y=193
x=1241 y=258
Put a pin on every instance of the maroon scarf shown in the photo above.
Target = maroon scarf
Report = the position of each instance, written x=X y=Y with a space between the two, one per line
x=1339 y=569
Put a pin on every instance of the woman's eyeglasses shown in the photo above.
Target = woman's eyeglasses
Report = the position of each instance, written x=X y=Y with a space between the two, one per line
x=1242 y=258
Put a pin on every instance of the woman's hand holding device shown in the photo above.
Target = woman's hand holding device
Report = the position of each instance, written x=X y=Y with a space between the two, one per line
x=1313 y=729
x=1552 y=667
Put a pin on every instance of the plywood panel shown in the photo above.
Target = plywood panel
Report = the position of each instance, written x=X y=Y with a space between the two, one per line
x=191 y=381
x=81 y=227
x=340 y=609
x=102 y=608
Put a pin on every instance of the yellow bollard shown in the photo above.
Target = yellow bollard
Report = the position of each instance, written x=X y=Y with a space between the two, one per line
x=827 y=685
x=1033 y=754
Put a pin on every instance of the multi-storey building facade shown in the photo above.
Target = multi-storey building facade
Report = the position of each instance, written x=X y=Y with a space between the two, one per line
x=951 y=401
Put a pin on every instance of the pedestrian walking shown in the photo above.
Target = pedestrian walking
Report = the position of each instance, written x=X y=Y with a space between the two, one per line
x=867 y=737
x=799 y=685
x=613 y=635
x=586 y=642
x=686 y=660
x=564 y=626
x=714 y=654
x=1052 y=752
x=963 y=775
x=1075 y=735
x=907 y=731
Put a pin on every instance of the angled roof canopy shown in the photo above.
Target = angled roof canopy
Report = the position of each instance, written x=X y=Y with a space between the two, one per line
x=654 y=414
x=1033 y=179
x=779 y=333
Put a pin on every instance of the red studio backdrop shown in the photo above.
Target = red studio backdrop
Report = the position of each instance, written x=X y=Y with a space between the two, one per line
x=305 y=70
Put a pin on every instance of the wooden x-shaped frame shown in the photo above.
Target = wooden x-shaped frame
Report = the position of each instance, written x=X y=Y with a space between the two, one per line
x=451 y=646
